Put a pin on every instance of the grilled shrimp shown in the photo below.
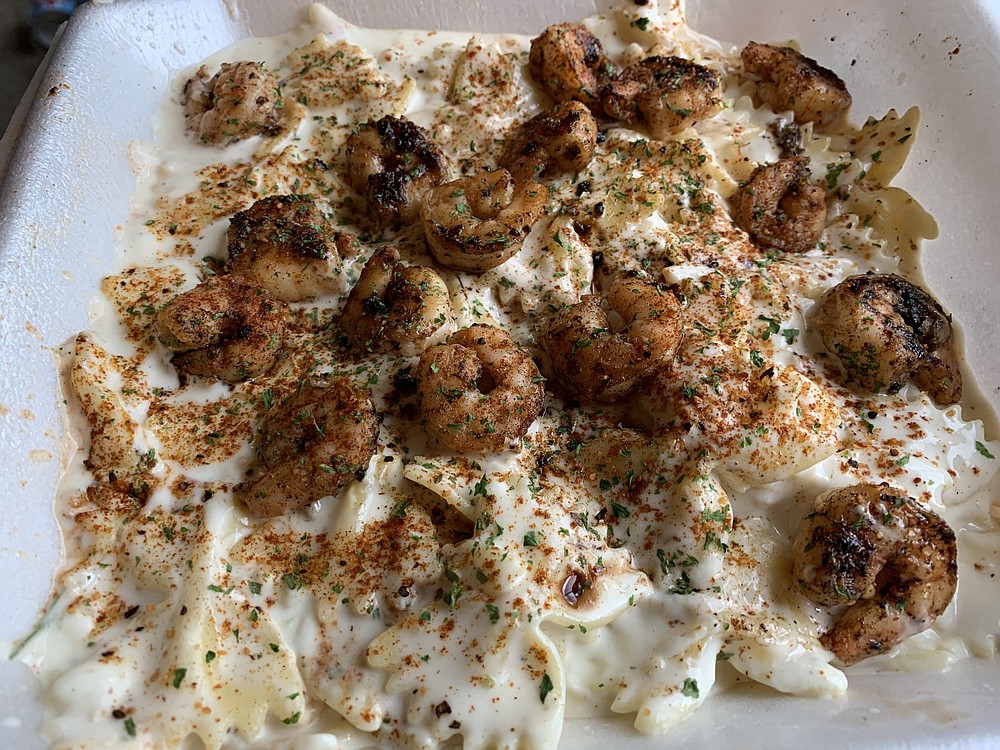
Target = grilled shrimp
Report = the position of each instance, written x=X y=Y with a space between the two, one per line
x=479 y=391
x=790 y=81
x=873 y=548
x=568 y=62
x=561 y=140
x=397 y=307
x=225 y=328
x=478 y=222
x=779 y=208
x=885 y=331
x=597 y=363
x=239 y=101
x=392 y=162
x=311 y=446
x=285 y=244
x=664 y=94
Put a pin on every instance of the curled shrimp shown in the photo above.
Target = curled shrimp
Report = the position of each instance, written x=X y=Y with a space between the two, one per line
x=285 y=244
x=778 y=207
x=392 y=162
x=478 y=222
x=568 y=62
x=311 y=446
x=479 y=391
x=597 y=363
x=876 y=550
x=664 y=94
x=239 y=101
x=886 y=330
x=394 y=306
x=790 y=81
x=561 y=140
x=225 y=328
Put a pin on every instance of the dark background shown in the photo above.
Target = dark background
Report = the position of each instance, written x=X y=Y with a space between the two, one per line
x=19 y=56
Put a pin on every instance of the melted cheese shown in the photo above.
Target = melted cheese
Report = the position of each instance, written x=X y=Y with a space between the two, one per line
x=599 y=568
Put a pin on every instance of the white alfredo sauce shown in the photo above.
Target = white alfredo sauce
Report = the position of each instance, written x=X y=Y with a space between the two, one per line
x=600 y=568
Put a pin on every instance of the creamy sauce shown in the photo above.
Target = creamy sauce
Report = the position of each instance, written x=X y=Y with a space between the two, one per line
x=598 y=569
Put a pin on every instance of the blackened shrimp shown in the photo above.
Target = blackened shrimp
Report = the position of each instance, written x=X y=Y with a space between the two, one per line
x=397 y=307
x=392 y=162
x=779 y=208
x=596 y=362
x=560 y=140
x=226 y=328
x=886 y=330
x=478 y=222
x=239 y=101
x=479 y=391
x=790 y=81
x=285 y=244
x=568 y=62
x=876 y=550
x=311 y=446
x=663 y=94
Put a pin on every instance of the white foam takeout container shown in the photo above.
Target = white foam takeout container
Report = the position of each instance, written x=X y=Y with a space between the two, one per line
x=67 y=185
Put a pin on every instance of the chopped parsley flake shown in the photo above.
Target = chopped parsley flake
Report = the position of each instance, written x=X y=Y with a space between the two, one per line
x=773 y=326
x=690 y=688
x=790 y=334
x=833 y=172
x=619 y=510
x=454 y=593
x=546 y=687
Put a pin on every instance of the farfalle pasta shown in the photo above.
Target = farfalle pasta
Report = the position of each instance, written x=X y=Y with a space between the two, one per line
x=453 y=385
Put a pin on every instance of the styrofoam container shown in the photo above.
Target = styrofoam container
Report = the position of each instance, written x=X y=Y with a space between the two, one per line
x=65 y=185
